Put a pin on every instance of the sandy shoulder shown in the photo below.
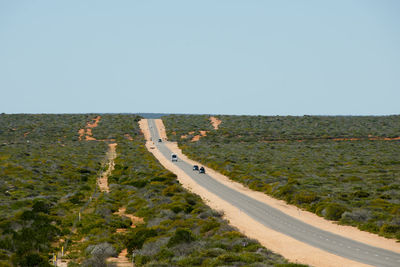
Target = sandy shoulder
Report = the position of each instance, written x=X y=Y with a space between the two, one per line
x=288 y=247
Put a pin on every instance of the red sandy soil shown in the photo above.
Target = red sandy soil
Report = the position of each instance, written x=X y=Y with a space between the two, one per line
x=290 y=248
x=95 y=123
x=215 y=122
x=197 y=137
x=81 y=133
x=88 y=131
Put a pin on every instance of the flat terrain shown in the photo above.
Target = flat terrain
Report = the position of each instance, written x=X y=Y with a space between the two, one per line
x=59 y=193
x=345 y=169
x=280 y=222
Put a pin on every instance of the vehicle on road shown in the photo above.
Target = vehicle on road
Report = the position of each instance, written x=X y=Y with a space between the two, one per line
x=174 y=157
x=202 y=170
x=159 y=140
x=195 y=167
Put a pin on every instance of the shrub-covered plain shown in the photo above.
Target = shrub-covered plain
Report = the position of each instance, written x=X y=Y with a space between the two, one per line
x=46 y=175
x=337 y=167
x=49 y=177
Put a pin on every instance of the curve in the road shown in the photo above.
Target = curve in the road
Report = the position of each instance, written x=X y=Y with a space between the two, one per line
x=284 y=223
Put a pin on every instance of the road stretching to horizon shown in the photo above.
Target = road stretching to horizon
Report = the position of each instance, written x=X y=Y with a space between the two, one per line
x=280 y=222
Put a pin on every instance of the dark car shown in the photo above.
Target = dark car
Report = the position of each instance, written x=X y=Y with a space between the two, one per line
x=159 y=140
x=195 y=167
x=202 y=170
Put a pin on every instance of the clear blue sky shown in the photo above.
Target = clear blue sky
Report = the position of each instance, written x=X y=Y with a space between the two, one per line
x=221 y=57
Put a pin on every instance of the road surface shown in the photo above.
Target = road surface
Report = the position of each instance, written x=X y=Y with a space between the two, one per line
x=278 y=221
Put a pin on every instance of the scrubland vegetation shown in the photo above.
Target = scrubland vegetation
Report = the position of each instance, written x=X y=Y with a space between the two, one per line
x=48 y=177
x=340 y=168
x=45 y=177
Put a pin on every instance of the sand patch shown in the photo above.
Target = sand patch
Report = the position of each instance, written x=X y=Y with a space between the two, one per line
x=197 y=137
x=122 y=260
x=81 y=133
x=215 y=122
x=95 y=122
x=87 y=132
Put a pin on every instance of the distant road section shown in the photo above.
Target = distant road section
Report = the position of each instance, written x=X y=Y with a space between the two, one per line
x=281 y=222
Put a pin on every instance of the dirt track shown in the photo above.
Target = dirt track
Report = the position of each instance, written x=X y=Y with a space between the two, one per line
x=103 y=179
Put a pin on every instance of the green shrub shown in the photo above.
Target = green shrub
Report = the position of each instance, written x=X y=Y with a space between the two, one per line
x=181 y=236
x=34 y=260
x=305 y=197
x=171 y=190
x=190 y=261
x=333 y=211
x=209 y=225
x=136 y=239
x=390 y=229
x=361 y=194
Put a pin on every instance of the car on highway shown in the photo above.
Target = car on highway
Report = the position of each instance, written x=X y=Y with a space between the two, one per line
x=202 y=170
x=195 y=167
x=174 y=157
x=159 y=140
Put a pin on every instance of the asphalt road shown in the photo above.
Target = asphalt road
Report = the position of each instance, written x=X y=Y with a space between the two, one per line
x=278 y=221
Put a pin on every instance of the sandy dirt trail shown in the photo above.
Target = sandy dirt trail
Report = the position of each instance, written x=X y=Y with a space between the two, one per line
x=103 y=179
x=290 y=248
x=122 y=259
